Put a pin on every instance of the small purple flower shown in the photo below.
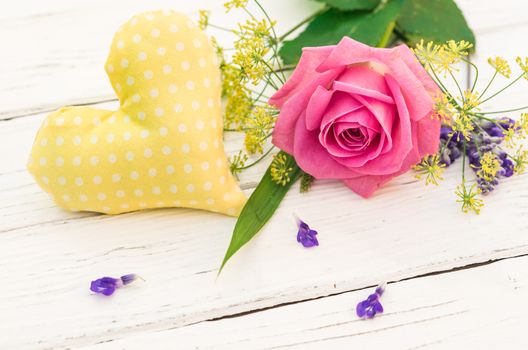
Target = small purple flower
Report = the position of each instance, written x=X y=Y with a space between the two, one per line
x=371 y=306
x=108 y=285
x=305 y=235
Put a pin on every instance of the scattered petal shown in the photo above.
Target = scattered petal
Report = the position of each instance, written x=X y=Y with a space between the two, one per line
x=108 y=285
x=371 y=306
x=305 y=235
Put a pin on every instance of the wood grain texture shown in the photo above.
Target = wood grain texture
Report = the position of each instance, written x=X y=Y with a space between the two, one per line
x=477 y=308
x=54 y=52
x=48 y=256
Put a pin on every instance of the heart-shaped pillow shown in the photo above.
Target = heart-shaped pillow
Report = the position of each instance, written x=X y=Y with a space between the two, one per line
x=162 y=147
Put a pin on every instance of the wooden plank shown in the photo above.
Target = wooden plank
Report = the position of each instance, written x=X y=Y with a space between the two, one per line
x=49 y=256
x=476 y=308
x=54 y=55
x=404 y=231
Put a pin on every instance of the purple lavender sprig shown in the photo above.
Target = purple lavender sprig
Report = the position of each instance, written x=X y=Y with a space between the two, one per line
x=371 y=306
x=485 y=139
x=305 y=235
x=108 y=285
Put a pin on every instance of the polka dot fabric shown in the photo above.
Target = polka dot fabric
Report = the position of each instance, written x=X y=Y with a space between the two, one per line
x=163 y=147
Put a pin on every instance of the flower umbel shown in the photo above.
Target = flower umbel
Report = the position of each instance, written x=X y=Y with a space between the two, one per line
x=468 y=198
x=489 y=166
x=371 y=306
x=501 y=66
x=431 y=168
x=280 y=170
x=235 y=4
x=108 y=285
x=305 y=235
x=523 y=65
x=203 y=21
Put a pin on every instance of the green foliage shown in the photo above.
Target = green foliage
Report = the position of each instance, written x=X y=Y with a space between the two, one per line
x=431 y=20
x=260 y=207
x=332 y=25
x=307 y=181
x=349 y=5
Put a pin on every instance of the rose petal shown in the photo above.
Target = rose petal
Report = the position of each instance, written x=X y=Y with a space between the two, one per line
x=365 y=76
x=317 y=106
x=356 y=90
x=366 y=185
x=304 y=72
x=398 y=62
x=313 y=158
x=416 y=67
x=293 y=97
x=428 y=130
x=384 y=115
x=391 y=161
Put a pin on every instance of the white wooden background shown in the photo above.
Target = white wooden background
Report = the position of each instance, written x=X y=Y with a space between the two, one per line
x=455 y=281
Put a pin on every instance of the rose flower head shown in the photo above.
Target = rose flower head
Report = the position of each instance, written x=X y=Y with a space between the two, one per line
x=356 y=113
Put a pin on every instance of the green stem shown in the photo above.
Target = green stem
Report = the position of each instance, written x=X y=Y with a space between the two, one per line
x=464 y=161
x=386 y=36
x=458 y=86
x=476 y=73
x=275 y=46
x=285 y=68
x=504 y=88
x=261 y=93
x=505 y=111
x=303 y=22
x=484 y=118
x=445 y=144
x=272 y=71
x=439 y=82
x=258 y=160
x=489 y=84
x=220 y=28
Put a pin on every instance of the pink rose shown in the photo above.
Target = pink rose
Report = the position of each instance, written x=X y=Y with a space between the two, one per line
x=357 y=113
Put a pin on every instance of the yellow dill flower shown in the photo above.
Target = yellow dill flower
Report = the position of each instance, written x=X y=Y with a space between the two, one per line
x=253 y=143
x=441 y=58
x=501 y=66
x=259 y=125
x=238 y=107
x=522 y=124
x=458 y=48
x=517 y=131
x=238 y=97
x=431 y=168
x=521 y=160
x=468 y=198
x=523 y=66
x=235 y=4
x=444 y=110
x=463 y=124
x=280 y=171
x=237 y=162
x=471 y=100
x=510 y=136
x=252 y=46
x=489 y=166
x=426 y=54
x=203 y=20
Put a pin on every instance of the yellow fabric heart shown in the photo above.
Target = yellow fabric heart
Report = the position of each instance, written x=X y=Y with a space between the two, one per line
x=162 y=147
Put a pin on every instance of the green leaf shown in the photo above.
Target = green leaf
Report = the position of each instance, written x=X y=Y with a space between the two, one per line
x=259 y=208
x=433 y=20
x=349 y=5
x=332 y=25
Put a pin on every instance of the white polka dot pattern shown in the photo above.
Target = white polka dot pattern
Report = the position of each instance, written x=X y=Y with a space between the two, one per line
x=157 y=149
